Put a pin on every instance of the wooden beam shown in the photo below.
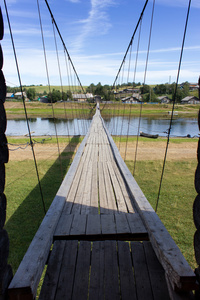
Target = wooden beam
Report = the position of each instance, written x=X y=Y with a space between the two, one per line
x=168 y=253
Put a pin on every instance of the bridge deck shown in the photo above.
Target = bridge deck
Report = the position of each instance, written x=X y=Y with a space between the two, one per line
x=97 y=226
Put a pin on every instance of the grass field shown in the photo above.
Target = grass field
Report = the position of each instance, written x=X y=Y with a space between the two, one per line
x=79 y=110
x=25 y=209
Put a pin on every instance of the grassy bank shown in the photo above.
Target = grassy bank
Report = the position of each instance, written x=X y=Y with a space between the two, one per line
x=25 y=209
x=83 y=110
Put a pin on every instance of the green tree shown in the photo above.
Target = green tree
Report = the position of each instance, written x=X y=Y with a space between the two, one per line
x=31 y=93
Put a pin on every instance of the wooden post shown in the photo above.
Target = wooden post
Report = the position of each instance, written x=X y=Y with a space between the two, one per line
x=196 y=213
x=5 y=269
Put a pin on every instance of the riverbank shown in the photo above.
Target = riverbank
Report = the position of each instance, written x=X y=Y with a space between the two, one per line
x=25 y=209
x=15 y=110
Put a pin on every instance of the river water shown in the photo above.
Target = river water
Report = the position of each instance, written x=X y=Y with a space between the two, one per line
x=116 y=125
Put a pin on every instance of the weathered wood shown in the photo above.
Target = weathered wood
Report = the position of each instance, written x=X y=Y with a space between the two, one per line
x=197 y=179
x=64 y=226
x=78 y=225
x=122 y=225
x=3 y=119
x=108 y=224
x=96 y=290
x=197 y=246
x=135 y=224
x=3 y=204
x=142 y=282
x=93 y=225
x=111 y=271
x=172 y=260
x=3 y=87
x=50 y=283
x=127 y=284
x=102 y=190
x=156 y=274
x=66 y=278
x=81 y=280
x=29 y=272
x=196 y=211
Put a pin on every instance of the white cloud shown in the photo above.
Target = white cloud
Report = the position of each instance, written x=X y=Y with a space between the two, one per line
x=97 y=22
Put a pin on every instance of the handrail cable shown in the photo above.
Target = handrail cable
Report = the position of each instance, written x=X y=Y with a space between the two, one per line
x=52 y=16
x=25 y=110
x=145 y=73
x=49 y=86
x=141 y=15
x=174 y=99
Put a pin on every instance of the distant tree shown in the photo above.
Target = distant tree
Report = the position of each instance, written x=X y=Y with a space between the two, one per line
x=160 y=89
x=145 y=89
x=30 y=93
x=54 y=96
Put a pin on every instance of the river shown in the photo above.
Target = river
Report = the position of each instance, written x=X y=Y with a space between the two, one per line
x=116 y=125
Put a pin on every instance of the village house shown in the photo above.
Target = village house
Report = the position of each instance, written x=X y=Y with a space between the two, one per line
x=18 y=95
x=134 y=99
x=164 y=99
x=10 y=96
x=82 y=97
x=190 y=100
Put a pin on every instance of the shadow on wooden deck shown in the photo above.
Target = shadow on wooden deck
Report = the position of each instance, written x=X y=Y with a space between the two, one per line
x=26 y=220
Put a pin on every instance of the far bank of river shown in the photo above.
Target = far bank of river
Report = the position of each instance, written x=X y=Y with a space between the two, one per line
x=117 y=126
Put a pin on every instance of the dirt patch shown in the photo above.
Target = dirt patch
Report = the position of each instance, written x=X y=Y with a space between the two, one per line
x=146 y=151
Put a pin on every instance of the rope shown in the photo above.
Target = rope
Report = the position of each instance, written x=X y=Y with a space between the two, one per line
x=49 y=86
x=136 y=60
x=174 y=99
x=25 y=111
x=61 y=83
x=145 y=73
x=141 y=15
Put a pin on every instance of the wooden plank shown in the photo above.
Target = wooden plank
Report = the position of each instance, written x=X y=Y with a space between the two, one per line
x=78 y=225
x=156 y=274
x=122 y=225
x=49 y=287
x=127 y=282
x=93 y=225
x=111 y=203
x=108 y=224
x=64 y=226
x=135 y=223
x=118 y=193
x=172 y=260
x=81 y=280
x=96 y=290
x=128 y=199
x=111 y=271
x=94 y=193
x=102 y=190
x=142 y=282
x=66 y=278
x=30 y=270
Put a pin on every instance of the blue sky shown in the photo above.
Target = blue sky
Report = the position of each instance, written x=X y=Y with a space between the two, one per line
x=97 y=33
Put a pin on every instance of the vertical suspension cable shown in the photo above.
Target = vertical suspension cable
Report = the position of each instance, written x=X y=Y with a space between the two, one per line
x=49 y=86
x=25 y=111
x=174 y=99
x=61 y=82
x=145 y=73
x=136 y=60
x=66 y=65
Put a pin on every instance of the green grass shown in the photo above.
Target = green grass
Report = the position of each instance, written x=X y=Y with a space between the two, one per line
x=176 y=198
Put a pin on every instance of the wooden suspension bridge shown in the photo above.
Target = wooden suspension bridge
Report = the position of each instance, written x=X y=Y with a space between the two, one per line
x=100 y=238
